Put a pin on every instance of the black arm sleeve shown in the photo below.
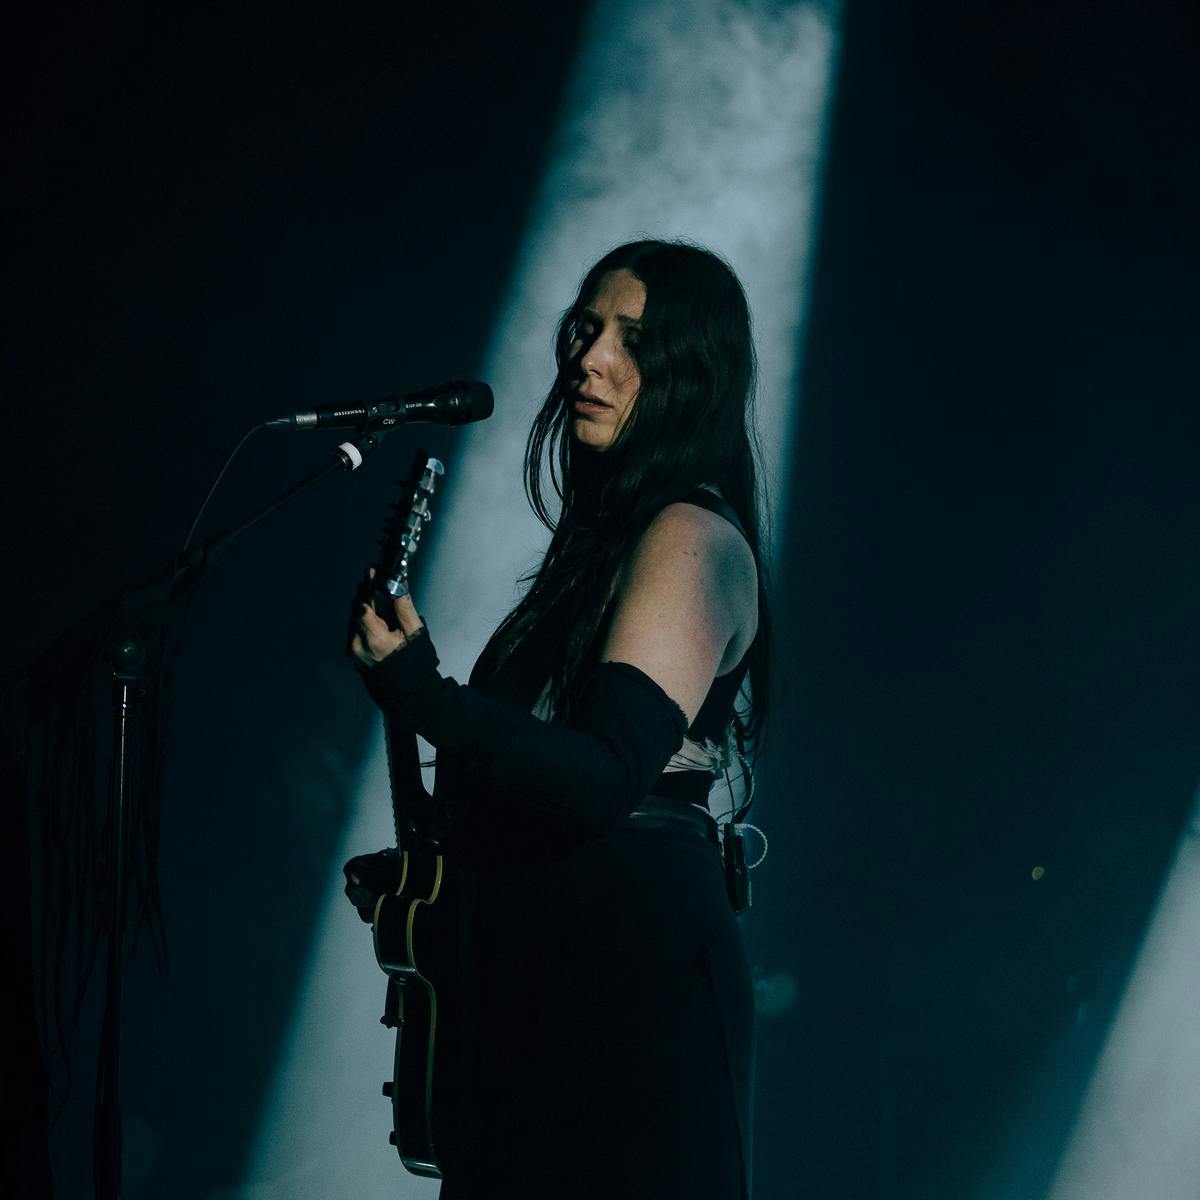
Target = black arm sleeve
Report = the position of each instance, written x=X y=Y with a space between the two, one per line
x=591 y=772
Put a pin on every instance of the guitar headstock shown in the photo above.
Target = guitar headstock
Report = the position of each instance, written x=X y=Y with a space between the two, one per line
x=401 y=534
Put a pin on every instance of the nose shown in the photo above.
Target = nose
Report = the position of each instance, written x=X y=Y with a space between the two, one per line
x=597 y=355
x=589 y=360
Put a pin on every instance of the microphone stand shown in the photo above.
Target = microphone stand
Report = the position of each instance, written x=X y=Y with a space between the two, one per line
x=139 y=653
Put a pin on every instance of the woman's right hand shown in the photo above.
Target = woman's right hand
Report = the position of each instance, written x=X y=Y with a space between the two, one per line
x=369 y=876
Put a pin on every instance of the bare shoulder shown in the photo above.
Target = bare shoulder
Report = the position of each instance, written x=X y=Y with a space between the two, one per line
x=691 y=579
x=683 y=531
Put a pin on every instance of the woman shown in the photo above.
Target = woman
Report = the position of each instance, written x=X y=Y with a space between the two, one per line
x=606 y=1032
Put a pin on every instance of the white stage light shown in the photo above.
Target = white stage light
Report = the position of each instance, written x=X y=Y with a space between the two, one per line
x=1138 y=1133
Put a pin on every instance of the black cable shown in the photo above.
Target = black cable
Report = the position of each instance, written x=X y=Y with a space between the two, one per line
x=220 y=475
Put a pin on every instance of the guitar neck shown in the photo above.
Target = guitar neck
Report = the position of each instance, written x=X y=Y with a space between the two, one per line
x=412 y=805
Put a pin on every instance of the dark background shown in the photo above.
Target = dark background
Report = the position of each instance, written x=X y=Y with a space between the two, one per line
x=988 y=595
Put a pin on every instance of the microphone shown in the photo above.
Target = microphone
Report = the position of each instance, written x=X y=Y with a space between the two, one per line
x=458 y=402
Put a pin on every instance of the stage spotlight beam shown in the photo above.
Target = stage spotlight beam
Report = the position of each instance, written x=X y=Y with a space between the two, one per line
x=1138 y=1133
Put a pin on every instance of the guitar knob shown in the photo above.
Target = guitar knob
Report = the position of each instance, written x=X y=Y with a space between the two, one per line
x=388 y=1088
x=392 y=1138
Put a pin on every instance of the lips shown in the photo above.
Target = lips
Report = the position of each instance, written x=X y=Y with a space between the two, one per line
x=586 y=399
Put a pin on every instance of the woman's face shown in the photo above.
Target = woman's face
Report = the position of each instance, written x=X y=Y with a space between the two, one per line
x=600 y=368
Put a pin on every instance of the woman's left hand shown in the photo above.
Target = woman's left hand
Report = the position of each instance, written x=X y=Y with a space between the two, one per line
x=374 y=641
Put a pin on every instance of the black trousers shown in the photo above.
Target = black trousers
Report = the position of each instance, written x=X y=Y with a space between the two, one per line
x=606 y=1045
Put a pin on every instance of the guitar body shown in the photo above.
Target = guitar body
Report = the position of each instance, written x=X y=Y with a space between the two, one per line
x=406 y=944
x=414 y=931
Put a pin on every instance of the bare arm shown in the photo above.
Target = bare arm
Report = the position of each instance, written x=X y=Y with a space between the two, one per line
x=687 y=593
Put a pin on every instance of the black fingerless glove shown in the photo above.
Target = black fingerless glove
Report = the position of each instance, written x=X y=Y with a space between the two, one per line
x=375 y=874
x=590 y=772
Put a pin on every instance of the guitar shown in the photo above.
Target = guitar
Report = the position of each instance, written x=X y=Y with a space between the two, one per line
x=411 y=921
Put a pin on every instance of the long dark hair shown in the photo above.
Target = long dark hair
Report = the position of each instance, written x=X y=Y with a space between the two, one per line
x=692 y=423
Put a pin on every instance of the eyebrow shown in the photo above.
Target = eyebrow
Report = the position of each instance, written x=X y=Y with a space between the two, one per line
x=622 y=319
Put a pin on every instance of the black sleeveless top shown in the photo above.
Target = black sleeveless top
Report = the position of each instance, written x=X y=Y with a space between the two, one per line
x=519 y=681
